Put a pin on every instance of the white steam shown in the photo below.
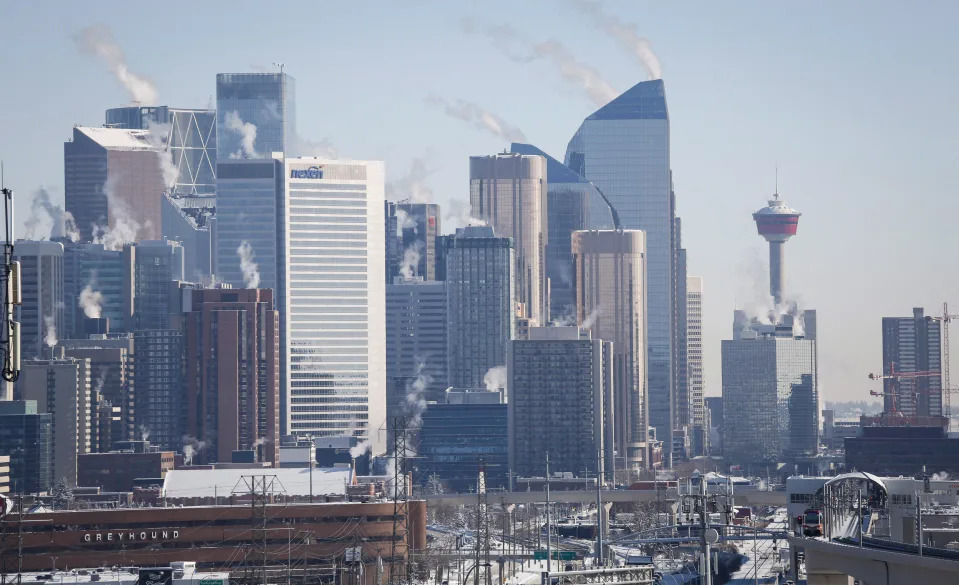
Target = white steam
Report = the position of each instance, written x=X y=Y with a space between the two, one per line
x=97 y=39
x=144 y=433
x=158 y=135
x=415 y=394
x=495 y=378
x=755 y=300
x=360 y=449
x=625 y=33
x=591 y=318
x=250 y=269
x=122 y=228
x=411 y=260
x=260 y=441
x=49 y=331
x=520 y=49
x=479 y=117
x=247 y=133
x=318 y=148
x=48 y=220
x=90 y=300
x=188 y=453
x=191 y=446
x=413 y=185
x=459 y=212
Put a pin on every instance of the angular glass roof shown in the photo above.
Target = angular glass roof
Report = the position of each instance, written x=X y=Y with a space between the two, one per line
x=644 y=101
x=556 y=172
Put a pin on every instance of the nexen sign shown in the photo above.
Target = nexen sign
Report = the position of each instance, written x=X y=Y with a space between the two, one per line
x=310 y=173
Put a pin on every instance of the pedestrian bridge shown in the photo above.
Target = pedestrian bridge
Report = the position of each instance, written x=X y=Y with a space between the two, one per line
x=877 y=562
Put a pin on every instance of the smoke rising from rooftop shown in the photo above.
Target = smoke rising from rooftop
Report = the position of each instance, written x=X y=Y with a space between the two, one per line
x=48 y=220
x=90 y=300
x=495 y=378
x=158 y=137
x=98 y=40
x=412 y=185
x=250 y=269
x=479 y=116
x=49 y=331
x=624 y=33
x=122 y=228
x=247 y=133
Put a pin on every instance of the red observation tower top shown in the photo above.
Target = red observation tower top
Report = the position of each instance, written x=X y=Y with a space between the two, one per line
x=777 y=222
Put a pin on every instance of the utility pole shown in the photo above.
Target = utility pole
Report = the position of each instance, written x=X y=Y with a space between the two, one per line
x=549 y=532
x=400 y=505
x=259 y=488
x=599 y=511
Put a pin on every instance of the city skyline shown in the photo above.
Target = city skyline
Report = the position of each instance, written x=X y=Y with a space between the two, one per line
x=727 y=137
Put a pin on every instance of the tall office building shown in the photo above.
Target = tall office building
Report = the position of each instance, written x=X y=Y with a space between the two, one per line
x=418 y=224
x=188 y=137
x=415 y=342
x=113 y=180
x=909 y=345
x=394 y=250
x=41 y=312
x=250 y=201
x=111 y=375
x=623 y=149
x=561 y=402
x=573 y=203
x=694 y=364
x=610 y=273
x=157 y=264
x=333 y=298
x=508 y=191
x=770 y=398
x=191 y=220
x=480 y=311
x=26 y=434
x=159 y=391
x=61 y=387
x=255 y=114
x=682 y=415
x=97 y=283
x=232 y=361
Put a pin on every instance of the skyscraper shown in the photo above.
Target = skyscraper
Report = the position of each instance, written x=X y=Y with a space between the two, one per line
x=694 y=363
x=190 y=220
x=41 y=312
x=250 y=198
x=334 y=298
x=508 y=191
x=910 y=345
x=623 y=148
x=255 y=114
x=111 y=375
x=160 y=395
x=27 y=435
x=416 y=340
x=573 y=203
x=98 y=283
x=189 y=136
x=610 y=273
x=681 y=400
x=560 y=402
x=61 y=387
x=113 y=180
x=479 y=281
x=418 y=224
x=770 y=398
x=232 y=373
x=158 y=263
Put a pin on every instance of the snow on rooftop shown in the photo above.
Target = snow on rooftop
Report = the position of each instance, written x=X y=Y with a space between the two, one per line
x=291 y=481
x=117 y=138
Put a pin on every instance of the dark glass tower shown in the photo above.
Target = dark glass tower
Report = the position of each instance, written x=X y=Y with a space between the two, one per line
x=263 y=100
x=623 y=148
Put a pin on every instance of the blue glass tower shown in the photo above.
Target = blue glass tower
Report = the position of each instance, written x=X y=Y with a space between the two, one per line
x=263 y=100
x=623 y=149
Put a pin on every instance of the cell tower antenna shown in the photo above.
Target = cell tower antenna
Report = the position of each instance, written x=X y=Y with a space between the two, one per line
x=280 y=65
x=776 y=193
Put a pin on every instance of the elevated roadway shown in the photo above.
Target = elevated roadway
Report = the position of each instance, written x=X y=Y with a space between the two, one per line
x=745 y=498
x=876 y=563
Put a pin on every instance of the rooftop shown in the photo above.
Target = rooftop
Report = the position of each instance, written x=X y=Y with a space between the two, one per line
x=117 y=138
x=644 y=101
x=290 y=481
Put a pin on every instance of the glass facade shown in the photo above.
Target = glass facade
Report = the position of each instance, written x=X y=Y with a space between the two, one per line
x=416 y=338
x=157 y=265
x=334 y=298
x=573 y=203
x=623 y=148
x=508 y=191
x=248 y=209
x=611 y=302
x=27 y=437
x=770 y=399
x=103 y=271
x=42 y=309
x=265 y=100
x=694 y=355
x=479 y=281
x=456 y=438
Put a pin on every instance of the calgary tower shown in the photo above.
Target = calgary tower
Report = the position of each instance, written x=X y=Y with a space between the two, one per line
x=777 y=222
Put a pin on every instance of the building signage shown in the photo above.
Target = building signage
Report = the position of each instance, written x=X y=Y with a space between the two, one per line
x=314 y=172
x=131 y=536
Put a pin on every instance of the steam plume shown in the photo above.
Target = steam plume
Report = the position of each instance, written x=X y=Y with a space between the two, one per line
x=411 y=260
x=144 y=433
x=590 y=319
x=359 y=449
x=412 y=185
x=250 y=269
x=122 y=228
x=573 y=71
x=495 y=378
x=50 y=331
x=318 y=148
x=91 y=301
x=625 y=34
x=97 y=39
x=158 y=135
x=247 y=132
x=479 y=116
x=48 y=220
x=415 y=389
x=188 y=453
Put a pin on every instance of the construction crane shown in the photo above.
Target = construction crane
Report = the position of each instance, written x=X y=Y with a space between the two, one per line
x=947 y=388
x=896 y=392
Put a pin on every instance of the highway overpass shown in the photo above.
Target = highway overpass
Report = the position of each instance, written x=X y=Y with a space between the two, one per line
x=876 y=563
x=745 y=498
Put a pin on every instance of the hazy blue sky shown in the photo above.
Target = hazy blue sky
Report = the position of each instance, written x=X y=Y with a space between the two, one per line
x=855 y=101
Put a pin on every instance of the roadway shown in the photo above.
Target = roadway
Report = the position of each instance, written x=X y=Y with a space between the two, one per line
x=744 y=498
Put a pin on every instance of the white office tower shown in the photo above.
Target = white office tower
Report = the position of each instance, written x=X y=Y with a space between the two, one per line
x=331 y=290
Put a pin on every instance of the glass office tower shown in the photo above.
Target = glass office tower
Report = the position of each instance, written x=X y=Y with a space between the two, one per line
x=334 y=298
x=623 y=148
x=265 y=100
